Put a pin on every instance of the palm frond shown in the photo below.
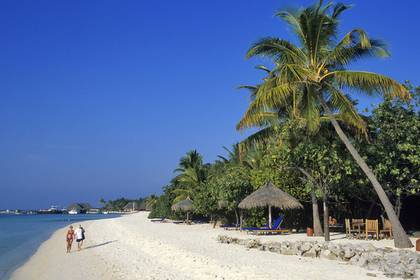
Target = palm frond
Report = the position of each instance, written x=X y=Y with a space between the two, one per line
x=276 y=49
x=291 y=17
x=339 y=8
x=266 y=100
x=259 y=137
x=344 y=55
x=346 y=110
x=263 y=68
x=370 y=83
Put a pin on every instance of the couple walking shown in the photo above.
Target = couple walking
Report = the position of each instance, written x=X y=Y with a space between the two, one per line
x=78 y=234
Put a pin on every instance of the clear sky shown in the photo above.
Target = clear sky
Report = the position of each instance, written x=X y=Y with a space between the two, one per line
x=101 y=98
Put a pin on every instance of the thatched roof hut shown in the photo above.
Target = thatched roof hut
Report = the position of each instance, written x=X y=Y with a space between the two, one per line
x=79 y=207
x=185 y=205
x=131 y=207
x=270 y=196
x=222 y=204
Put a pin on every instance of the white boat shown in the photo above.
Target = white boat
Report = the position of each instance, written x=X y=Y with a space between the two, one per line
x=73 y=212
x=105 y=212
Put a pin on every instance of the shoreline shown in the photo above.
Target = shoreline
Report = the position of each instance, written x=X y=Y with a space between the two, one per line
x=11 y=270
x=132 y=247
x=39 y=229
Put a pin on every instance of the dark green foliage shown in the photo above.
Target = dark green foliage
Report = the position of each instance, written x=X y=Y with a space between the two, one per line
x=162 y=208
x=117 y=204
x=395 y=151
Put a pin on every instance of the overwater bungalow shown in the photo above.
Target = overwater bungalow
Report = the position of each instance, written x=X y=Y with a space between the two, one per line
x=78 y=208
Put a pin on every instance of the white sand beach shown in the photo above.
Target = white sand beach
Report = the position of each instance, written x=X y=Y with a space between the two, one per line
x=132 y=247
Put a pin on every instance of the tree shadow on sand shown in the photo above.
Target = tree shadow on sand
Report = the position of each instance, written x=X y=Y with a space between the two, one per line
x=99 y=245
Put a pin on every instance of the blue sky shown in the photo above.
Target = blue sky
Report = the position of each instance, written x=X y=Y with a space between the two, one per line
x=101 y=98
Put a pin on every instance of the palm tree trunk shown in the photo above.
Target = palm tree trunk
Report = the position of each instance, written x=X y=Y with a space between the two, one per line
x=315 y=210
x=315 y=215
x=326 y=218
x=398 y=206
x=401 y=239
x=237 y=218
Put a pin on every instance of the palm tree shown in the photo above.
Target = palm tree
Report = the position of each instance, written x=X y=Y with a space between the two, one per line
x=308 y=80
x=234 y=155
x=192 y=159
x=151 y=201
x=191 y=173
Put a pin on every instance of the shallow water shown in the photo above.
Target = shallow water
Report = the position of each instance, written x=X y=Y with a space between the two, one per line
x=21 y=235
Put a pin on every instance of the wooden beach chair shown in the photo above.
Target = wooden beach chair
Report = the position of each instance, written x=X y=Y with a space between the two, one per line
x=350 y=232
x=356 y=225
x=387 y=229
x=372 y=227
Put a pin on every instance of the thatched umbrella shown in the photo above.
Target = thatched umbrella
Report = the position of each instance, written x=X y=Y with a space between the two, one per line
x=222 y=204
x=185 y=205
x=269 y=195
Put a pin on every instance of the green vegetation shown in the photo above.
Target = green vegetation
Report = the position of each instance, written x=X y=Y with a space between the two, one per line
x=311 y=140
x=117 y=204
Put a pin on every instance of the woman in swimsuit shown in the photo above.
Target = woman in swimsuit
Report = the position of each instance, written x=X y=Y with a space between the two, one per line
x=69 y=238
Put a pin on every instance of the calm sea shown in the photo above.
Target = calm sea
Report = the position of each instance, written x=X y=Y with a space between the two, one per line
x=21 y=235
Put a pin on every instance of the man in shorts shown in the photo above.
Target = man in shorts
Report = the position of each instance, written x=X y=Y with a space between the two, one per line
x=80 y=236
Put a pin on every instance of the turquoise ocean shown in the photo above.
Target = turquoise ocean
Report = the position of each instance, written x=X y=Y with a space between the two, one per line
x=21 y=235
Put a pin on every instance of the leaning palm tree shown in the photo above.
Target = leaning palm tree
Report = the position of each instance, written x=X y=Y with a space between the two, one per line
x=309 y=80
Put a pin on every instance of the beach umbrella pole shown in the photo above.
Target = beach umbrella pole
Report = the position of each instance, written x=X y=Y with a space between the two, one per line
x=269 y=216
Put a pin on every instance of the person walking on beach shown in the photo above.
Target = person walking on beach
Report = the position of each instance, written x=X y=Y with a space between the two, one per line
x=80 y=236
x=69 y=238
x=83 y=237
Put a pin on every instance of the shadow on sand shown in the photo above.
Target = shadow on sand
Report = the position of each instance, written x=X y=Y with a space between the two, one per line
x=99 y=245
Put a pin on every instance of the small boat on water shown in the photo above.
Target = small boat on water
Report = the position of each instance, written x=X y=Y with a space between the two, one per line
x=73 y=212
x=105 y=212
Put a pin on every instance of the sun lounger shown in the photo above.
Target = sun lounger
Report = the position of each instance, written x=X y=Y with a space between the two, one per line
x=230 y=227
x=269 y=231
x=157 y=219
x=276 y=221
x=275 y=229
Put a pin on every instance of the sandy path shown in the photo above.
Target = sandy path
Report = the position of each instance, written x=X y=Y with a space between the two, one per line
x=131 y=247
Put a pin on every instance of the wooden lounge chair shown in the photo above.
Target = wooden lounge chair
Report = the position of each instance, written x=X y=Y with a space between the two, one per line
x=372 y=227
x=387 y=230
x=350 y=232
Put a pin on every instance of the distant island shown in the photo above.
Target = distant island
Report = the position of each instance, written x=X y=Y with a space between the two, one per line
x=120 y=205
